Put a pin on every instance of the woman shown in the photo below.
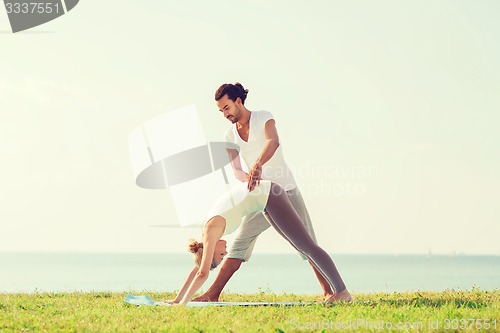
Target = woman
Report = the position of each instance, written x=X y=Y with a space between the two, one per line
x=225 y=217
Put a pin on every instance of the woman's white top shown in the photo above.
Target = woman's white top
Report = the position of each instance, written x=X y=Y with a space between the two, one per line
x=239 y=202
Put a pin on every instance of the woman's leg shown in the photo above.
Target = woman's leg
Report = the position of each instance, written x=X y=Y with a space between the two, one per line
x=287 y=222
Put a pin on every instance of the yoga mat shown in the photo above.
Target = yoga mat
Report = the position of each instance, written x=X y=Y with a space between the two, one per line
x=146 y=300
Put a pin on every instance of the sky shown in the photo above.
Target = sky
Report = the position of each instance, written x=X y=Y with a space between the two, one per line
x=387 y=113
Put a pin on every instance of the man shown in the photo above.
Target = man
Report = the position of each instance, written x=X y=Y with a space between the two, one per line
x=256 y=135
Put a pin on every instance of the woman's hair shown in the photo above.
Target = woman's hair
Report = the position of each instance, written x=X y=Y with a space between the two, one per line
x=197 y=250
x=233 y=91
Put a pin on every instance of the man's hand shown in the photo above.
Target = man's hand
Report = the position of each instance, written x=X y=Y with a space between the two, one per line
x=254 y=176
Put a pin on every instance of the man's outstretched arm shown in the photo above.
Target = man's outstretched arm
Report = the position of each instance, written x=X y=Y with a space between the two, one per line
x=272 y=143
x=234 y=156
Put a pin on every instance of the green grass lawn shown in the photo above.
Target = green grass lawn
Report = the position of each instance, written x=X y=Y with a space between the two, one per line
x=446 y=311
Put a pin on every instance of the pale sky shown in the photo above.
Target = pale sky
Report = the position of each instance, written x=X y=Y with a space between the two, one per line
x=388 y=112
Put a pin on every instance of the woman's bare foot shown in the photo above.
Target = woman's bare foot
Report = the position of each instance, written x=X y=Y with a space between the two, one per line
x=343 y=296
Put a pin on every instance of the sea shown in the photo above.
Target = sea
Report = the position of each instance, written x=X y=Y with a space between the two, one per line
x=270 y=273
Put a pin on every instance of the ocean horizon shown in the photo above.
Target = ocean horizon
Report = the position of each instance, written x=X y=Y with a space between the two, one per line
x=30 y=272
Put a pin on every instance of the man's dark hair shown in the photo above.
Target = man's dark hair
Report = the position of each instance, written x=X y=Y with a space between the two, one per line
x=233 y=91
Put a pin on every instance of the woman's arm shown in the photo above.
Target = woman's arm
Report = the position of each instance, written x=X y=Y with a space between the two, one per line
x=186 y=284
x=214 y=230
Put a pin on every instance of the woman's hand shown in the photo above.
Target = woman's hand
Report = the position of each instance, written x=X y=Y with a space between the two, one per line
x=169 y=301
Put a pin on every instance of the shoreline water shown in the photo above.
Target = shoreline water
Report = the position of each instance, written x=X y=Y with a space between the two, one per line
x=29 y=272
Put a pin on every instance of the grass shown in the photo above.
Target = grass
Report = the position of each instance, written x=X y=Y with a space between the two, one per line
x=448 y=311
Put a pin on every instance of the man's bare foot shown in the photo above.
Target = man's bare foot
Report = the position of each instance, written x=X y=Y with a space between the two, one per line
x=324 y=298
x=343 y=296
x=205 y=298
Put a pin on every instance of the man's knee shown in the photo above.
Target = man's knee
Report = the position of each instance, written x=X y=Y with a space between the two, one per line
x=310 y=249
x=232 y=264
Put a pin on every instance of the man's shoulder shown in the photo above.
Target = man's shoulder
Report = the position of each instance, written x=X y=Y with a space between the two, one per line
x=263 y=113
x=263 y=116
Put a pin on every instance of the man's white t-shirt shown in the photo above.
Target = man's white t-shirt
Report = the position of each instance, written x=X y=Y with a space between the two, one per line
x=276 y=169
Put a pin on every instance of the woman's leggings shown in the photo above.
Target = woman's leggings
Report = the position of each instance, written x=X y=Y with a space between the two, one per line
x=283 y=217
